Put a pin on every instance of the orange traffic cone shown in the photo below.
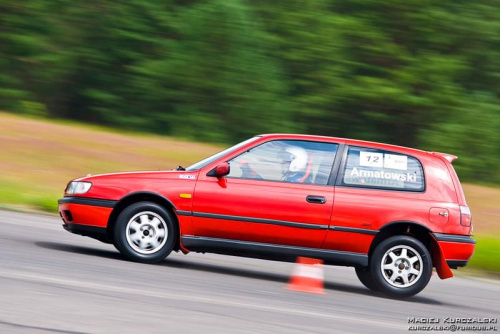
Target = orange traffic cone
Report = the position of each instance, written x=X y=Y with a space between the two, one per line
x=307 y=276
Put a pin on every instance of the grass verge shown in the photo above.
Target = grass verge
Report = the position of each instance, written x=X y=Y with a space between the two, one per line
x=39 y=157
x=486 y=255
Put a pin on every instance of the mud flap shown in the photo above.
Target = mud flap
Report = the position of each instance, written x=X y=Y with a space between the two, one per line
x=183 y=249
x=442 y=268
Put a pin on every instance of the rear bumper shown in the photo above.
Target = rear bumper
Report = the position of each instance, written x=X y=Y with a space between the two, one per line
x=86 y=216
x=455 y=264
x=456 y=249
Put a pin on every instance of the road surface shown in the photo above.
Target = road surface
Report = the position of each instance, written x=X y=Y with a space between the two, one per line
x=54 y=281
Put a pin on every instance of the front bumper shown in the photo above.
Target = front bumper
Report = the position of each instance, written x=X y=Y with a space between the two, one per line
x=86 y=216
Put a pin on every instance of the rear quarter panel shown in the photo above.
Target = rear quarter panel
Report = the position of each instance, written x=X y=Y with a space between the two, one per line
x=369 y=208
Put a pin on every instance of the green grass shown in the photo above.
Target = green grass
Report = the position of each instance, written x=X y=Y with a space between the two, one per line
x=29 y=195
x=487 y=254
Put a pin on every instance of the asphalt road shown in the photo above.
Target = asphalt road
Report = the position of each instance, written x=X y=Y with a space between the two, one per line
x=54 y=281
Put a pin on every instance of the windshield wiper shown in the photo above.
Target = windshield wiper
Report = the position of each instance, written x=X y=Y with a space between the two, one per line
x=180 y=168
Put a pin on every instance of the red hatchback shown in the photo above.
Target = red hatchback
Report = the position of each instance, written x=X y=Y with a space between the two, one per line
x=391 y=212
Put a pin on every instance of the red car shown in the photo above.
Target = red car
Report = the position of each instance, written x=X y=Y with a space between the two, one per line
x=391 y=212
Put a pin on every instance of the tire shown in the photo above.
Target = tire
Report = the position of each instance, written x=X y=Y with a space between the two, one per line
x=145 y=232
x=365 y=276
x=401 y=266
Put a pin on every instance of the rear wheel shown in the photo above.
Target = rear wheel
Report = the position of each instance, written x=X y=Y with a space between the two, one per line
x=401 y=266
x=365 y=277
x=145 y=232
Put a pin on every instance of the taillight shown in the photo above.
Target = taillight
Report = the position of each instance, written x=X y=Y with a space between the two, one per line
x=465 y=216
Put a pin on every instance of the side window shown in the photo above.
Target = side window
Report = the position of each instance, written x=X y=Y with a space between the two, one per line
x=286 y=160
x=373 y=168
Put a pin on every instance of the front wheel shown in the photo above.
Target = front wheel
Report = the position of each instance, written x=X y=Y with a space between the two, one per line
x=401 y=266
x=365 y=277
x=145 y=232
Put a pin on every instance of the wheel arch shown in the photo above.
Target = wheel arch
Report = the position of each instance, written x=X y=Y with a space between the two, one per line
x=419 y=232
x=402 y=227
x=141 y=196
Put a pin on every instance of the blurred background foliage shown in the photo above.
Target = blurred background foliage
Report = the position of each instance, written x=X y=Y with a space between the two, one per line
x=424 y=74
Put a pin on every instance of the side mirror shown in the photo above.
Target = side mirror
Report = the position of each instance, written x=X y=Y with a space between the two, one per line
x=220 y=171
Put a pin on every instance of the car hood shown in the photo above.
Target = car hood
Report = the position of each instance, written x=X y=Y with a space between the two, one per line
x=171 y=174
x=115 y=186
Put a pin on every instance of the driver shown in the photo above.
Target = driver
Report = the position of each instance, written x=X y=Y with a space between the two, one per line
x=294 y=164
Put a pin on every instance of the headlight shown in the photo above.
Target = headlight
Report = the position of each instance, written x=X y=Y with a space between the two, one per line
x=78 y=187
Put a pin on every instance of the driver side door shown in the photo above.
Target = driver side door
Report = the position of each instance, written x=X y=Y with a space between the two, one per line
x=256 y=203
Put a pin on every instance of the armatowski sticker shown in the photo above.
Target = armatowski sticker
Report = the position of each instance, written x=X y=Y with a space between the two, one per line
x=187 y=176
x=409 y=177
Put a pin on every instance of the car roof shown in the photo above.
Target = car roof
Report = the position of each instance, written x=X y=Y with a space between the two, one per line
x=354 y=142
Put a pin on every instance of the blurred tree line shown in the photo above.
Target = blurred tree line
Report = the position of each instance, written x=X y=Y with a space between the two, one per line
x=424 y=74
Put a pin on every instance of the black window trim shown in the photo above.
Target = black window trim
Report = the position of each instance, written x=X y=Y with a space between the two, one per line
x=340 y=180
x=335 y=165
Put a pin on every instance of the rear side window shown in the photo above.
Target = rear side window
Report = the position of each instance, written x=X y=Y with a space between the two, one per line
x=372 y=168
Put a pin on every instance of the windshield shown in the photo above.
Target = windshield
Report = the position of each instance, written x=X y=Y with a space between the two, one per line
x=214 y=157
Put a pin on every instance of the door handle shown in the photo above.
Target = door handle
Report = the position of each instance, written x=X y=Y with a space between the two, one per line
x=316 y=199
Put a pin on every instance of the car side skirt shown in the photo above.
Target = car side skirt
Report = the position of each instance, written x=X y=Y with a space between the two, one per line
x=271 y=251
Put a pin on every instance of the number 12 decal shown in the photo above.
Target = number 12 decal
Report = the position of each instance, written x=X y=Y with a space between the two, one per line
x=371 y=159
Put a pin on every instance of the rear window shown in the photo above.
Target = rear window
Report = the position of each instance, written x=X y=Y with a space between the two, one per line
x=372 y=168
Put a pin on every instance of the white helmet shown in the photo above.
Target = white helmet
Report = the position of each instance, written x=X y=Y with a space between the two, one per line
x=297 y=158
